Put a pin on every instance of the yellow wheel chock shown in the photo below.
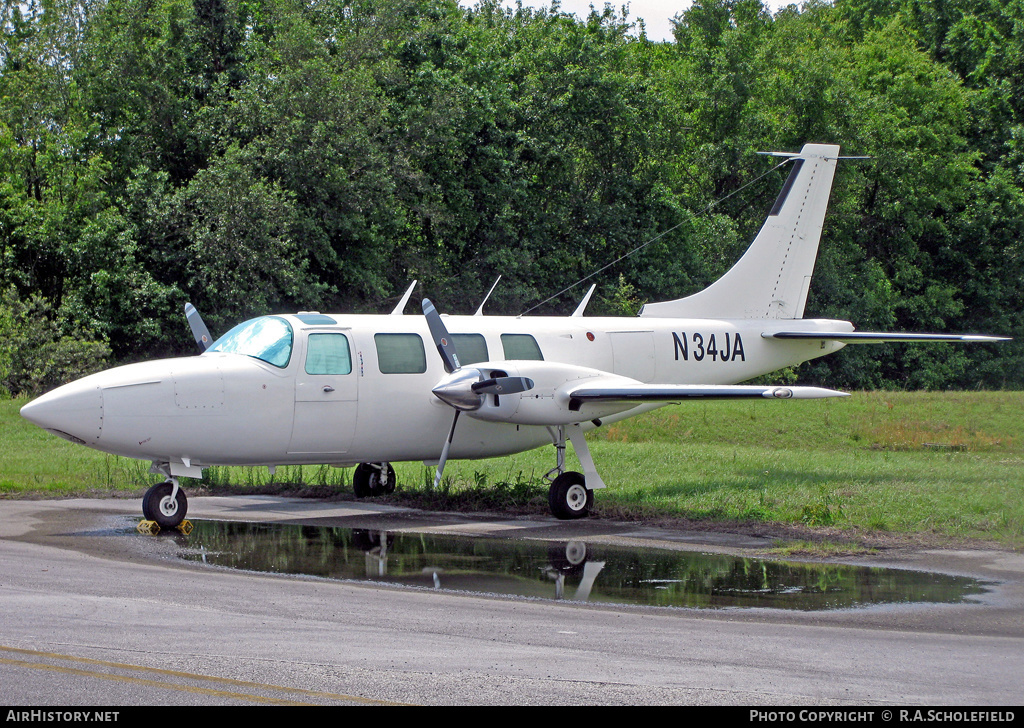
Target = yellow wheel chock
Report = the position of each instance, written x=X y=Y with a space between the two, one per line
x=152 y=528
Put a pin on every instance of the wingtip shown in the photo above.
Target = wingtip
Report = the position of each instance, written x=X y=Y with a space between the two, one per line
x=803 y=393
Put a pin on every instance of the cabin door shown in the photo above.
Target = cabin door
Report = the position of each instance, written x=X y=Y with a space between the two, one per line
x=326 y=396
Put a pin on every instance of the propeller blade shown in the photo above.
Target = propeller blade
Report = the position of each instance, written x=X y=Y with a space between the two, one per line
x=442 y=339
x=199 y=330
x=444 y=450
x=502 y=385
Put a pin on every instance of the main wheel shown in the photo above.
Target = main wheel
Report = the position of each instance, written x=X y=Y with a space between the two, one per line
x=569 y=497
x=367 y=481
x=157 y=505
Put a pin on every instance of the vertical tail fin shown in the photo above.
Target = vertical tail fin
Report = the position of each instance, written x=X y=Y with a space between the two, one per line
x=771 y=280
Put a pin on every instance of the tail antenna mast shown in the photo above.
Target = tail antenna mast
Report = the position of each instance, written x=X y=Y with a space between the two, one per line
x=788 y=158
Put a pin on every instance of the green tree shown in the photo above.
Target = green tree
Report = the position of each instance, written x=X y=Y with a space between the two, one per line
x=35 y=354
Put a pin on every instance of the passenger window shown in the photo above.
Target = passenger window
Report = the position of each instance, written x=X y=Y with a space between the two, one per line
x=400 y=353
x=472 y=348
x=521 y=346
x=328 y=354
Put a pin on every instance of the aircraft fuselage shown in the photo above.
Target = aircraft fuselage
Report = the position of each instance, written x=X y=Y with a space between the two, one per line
x=374 y=403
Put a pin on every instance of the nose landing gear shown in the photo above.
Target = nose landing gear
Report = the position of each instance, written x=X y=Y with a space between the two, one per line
x=164 y=506
x=165 y=503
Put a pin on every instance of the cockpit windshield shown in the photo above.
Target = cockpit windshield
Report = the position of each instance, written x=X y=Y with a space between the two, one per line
x=268 y=338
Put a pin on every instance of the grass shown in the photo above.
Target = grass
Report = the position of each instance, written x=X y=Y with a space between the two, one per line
x=913 y=466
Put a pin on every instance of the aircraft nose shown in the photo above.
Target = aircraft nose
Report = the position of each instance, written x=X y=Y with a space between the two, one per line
x=74 y=412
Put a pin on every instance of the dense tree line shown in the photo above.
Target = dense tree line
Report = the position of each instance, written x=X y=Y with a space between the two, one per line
x=252 y=156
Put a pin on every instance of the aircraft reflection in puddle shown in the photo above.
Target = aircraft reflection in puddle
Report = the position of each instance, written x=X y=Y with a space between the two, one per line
x=572 y=570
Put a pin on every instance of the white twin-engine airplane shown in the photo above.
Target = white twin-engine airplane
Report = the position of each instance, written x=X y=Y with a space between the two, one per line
x=369 y=390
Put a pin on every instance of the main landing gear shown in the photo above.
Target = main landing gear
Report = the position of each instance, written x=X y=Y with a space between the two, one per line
x=571 y=494
x=373 y=479
x=569 y=498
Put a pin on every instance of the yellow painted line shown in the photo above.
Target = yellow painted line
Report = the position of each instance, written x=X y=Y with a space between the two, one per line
x=141 y=681
x=174 y=673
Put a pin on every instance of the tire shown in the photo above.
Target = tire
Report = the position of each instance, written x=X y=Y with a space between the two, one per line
x=366 y=480
x=568 y=558
x=158 y=506
x=392 y=483
x=147 y=511
x=569 y=498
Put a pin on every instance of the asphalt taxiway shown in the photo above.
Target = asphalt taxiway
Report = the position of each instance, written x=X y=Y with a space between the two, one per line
x=97 y=615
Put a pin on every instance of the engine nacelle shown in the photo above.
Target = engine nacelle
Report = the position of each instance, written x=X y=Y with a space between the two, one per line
x=547 y=403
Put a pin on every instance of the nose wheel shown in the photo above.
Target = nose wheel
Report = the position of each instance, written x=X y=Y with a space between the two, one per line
x=165 y=504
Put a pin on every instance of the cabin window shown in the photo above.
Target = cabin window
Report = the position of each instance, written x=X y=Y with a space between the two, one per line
x=400 y=353
x=328 y=354
x=268 y=339
x=521 y=346
x=472 y=348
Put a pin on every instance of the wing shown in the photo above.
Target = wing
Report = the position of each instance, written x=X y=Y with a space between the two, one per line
x=682 y=392
x=874 y=337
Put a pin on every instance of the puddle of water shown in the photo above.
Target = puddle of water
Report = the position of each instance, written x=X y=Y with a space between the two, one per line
x=558 y=570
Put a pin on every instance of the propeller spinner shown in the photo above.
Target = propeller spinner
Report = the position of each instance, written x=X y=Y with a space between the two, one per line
x=463 y=389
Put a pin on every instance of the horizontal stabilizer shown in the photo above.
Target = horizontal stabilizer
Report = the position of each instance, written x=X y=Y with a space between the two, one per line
x=874 y=337
x=681 y=392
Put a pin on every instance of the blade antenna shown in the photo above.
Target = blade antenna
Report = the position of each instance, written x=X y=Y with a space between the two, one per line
x=586 y=299
x=405 y=299
x=480 y=311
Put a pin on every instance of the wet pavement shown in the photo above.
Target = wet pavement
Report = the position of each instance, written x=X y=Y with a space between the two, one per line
x=95 y=611
x=988 y=584
x=566 y=570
